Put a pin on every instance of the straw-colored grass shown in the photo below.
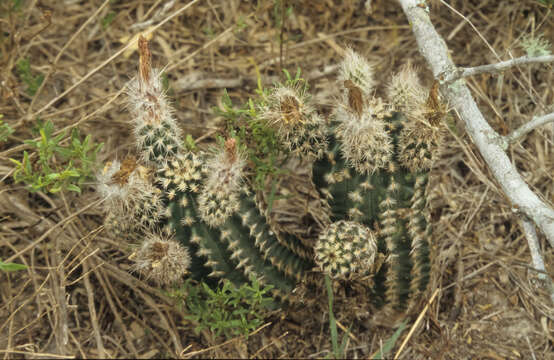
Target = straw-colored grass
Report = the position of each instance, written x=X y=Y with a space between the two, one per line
x=77 y=297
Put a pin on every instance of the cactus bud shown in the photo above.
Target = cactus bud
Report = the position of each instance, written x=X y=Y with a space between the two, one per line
x=405 y=91
x=162 y=260
x=346 y=249
x=358 y=70
x=129 y=193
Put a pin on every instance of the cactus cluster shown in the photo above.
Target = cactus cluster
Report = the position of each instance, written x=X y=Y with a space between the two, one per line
x=197 y=213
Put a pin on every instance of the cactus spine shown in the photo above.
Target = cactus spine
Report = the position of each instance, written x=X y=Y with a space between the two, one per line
x=369 y=176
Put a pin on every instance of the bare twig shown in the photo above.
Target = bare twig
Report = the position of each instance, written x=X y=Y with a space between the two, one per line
x=498 y=67
x=197 y=80
x=60 y=53
x=534 y=248
x=526 y=128
x=45 y=235
x=415 y=325
x=159 y=14
x=93 y=317
x=106 y=62
x=488 y=141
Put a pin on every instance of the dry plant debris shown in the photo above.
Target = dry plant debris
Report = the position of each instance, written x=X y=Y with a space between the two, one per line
x=77 y=299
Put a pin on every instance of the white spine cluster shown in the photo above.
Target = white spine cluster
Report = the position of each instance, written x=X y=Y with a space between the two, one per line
x=365 y=142
x=405 y=91
x=221 y=190
x=131 y=201
x=298 y=125
x=161 y=259
x=156 y=132
x=358 y=70
x=362 y=130
x=419 y=140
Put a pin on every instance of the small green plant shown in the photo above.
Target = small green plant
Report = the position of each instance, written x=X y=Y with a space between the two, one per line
x=535 y=45
x=263 y=146
x=547 y=2
x=56 y=167
x=389 y=344
x=227 y=310
x=5 y=130
x=26 y=75
x=189 y=143
x=241 y=24
x=108 y=19
x=338 y=349
x=9 y=267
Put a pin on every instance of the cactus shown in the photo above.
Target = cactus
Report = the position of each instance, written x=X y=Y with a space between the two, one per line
x=369 y=171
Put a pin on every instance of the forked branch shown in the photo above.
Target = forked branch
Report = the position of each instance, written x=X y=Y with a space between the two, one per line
x=527 y=127
x=488 y=141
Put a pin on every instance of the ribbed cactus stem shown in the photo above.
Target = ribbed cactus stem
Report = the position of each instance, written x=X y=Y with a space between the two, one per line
x=420 y=231
x=157 y=135
x=394 y=232
x=268 y=245
x=369 y=180
x=219 y=198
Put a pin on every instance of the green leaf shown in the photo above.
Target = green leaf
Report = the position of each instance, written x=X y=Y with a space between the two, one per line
x=75 y=188
x=9 y=267
x=389 y=344
x=15 y=162
x=53 y=176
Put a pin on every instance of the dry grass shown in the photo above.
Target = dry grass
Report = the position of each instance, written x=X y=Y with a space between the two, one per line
x=77 y=297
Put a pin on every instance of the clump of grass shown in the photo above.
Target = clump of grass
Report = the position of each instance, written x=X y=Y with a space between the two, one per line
x=338 y=349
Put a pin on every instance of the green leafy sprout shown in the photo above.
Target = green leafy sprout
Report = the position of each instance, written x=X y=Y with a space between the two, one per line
x=26 y=75
x=54 y=167
x=225 y=310
x=5 y=130
x=262 y=145
x=535 y=45
x=338 y=349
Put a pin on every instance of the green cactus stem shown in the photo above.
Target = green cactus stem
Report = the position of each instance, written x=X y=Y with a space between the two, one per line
x=369 y=176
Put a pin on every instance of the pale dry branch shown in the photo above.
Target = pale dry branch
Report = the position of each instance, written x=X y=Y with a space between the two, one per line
x=535 y=250
x=534 y=247
x=489 y=142
x=526 y=128
x=498 y=67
